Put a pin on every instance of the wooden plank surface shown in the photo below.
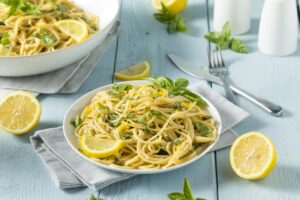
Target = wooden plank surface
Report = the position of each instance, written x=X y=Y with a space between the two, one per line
x=143 y=38
x=277 y=79
x=22 y=174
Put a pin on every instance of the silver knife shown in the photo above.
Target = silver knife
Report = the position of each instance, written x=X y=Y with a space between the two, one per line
x=195 y=71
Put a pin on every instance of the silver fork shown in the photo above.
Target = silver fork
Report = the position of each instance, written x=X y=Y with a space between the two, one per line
x=218 y=68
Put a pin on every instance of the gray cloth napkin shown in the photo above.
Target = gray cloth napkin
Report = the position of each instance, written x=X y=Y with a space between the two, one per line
x=69 y=170
x=64 y=80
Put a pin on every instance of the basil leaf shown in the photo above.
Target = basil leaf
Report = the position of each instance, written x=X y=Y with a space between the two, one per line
x=176 y=196
x=237 y=46
x=187 y=191
x=200 y=199
x=181 y=83
x=181 y=27
x=4 y=40
x=119 y=90
x=178 y=89
x=62 y=9
x=201 y=129
x=103 y=109
x=114 y=119
x=29 y=8
x=174 y=23
x=76 y=121
x=47 y=38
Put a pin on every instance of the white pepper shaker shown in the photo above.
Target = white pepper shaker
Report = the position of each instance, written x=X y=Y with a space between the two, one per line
x=236 y=12
x=278 y=29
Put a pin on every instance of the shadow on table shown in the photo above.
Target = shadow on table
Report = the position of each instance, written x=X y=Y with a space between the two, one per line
x=42 y=125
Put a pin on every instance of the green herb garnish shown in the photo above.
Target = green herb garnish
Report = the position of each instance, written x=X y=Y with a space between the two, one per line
x=119 y=90
x=177 y=88
x=4 y=40
x=155 y=113
x=47 y=38
x=76 y=121
x=95 y=198
x=201 y=129
x=103 y=109
x=126 y=136
x=224 y=40
x=176 y=141
x=62 y=9
x=187 y=193
x=175 y=23
x=206 y=118
x=178 y=105
x=114 y=119
x=21 y=5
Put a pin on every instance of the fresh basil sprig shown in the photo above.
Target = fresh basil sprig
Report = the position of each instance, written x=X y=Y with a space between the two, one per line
x=21 y=5
x=119 y=90
x=187 y=193
x=224 y=40
x=175 y=23
x=177 y=88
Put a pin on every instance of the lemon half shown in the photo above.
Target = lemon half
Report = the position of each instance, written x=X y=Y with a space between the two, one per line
x=175 y=6
x=19 y=112
x=253 y=156
x=136 y=72
x=98 y=147
x=77 y=30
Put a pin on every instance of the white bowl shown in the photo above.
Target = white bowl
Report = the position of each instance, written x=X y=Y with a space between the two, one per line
x=106 y=10
x=77 y=107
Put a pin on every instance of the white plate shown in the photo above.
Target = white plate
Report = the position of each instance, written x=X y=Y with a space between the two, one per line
x=106 y=10
x=77 y=107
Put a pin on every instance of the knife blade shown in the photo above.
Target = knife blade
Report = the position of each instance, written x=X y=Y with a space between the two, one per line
x=193 y=70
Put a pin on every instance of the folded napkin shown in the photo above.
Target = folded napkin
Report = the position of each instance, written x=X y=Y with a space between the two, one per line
x=64 y=80
x=69 y=170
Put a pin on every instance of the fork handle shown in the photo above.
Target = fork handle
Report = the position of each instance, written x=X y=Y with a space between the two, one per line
x=228 y=91
x=266 y=105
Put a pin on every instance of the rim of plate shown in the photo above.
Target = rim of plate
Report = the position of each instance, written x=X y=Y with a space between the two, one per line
x=77 y=44
x=217 y=118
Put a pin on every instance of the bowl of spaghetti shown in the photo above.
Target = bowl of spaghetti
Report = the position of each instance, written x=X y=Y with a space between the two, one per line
x=161 y=124
x=38 y=36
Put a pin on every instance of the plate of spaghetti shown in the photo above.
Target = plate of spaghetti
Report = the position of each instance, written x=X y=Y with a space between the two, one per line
x=33 y=33
x=154 y=126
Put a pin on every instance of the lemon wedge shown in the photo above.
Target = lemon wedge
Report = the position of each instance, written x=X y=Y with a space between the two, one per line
x=78 y=30
x=99 y=148
x=19 y=112
x=136 y=72
x=253 y=156
x=175 y=6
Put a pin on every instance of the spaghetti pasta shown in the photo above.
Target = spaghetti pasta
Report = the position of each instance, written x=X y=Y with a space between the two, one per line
x=159 y=129
x=27 y=27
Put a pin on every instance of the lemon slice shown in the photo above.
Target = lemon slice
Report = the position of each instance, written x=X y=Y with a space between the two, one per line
x=175 y=6
x=19 y=112
x=253 y=156
x=136 y=72
x=78 y=30
x=99 y=148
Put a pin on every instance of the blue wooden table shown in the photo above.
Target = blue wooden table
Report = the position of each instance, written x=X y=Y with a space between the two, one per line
x=23 y=176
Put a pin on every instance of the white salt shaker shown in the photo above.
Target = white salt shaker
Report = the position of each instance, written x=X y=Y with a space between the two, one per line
x=237 y=12
x=278 y=30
